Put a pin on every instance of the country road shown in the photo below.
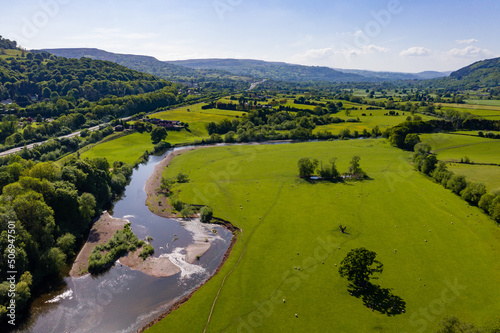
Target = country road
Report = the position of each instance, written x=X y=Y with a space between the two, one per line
x=255 y=84
x=31 y=145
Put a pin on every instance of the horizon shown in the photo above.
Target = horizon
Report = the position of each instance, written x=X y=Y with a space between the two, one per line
x=398 y=36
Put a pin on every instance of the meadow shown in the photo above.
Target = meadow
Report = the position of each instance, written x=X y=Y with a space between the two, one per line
x=371 y=119
x=488 y=111
x=130 y=148
x=453 y=147
x=282 y=274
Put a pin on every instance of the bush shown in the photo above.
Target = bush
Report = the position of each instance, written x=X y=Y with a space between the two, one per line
x=456 y=184
x=187 y=211
x=182 y=177
x=177 y=204
x=147 y=251
x=206 y=214
x=473 y=193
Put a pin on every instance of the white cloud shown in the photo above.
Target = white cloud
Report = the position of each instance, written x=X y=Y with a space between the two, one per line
x=349 y=51
x=416 y=51
x=467 y=41
x=469 y=51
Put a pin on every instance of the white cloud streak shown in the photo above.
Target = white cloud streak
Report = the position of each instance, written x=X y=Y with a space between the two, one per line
x=416 y=51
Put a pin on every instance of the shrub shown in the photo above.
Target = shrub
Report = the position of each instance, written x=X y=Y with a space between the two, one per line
x=182 y=177
x=473 y=193
x=206 y=214
x=456 y=184
x=147 y=251
x=177 y=204
x=187 y=211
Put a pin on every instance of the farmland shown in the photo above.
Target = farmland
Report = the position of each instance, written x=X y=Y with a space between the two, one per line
x=282 y=271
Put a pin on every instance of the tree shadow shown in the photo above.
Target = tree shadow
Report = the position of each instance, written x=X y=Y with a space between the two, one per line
x=379 y=299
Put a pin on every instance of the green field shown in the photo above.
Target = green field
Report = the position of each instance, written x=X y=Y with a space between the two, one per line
x=131 y=147
x=490 y=111
x=487 y=174
x=196 y=117
x=453 y=147
x=368 y=122
x=483 y=102
x=290 y=243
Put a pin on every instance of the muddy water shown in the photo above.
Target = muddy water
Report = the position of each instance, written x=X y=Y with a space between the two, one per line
x=124 y=300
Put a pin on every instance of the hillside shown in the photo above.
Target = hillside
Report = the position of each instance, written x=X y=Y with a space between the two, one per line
x=80 y=93
x=273 y=70
x=394 y=76
x=156 y=67
x=25 y=80
x=481 y=74
x=8 y=44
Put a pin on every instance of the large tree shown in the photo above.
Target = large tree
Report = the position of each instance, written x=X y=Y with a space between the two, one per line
x=359 y=265
x=158 y=134
x=306 y=167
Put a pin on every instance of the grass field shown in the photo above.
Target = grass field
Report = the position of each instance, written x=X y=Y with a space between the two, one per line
x=131 y=147
x=453 y=147
x=488 y=111
x=487 y=174
x=196 y=117
x=290 y=243
x=367 y=122
x=483 y=102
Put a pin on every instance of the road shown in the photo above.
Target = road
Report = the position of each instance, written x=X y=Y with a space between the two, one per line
x=31 y=145
x=255 y=84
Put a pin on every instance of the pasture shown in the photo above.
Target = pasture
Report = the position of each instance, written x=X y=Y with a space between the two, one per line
x=282 y=274
x=453 y=147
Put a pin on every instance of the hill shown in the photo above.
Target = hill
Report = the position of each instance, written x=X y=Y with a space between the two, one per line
x=395 y=76
x=481 y=74
x=279 y=71
x=153 y=66
x=8 y=44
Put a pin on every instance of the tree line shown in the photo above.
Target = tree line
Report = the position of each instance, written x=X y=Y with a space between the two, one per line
x=311 y=167
x=473 y=192
x=52 y=208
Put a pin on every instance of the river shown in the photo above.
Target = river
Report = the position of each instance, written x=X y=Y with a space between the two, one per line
x=124 y=300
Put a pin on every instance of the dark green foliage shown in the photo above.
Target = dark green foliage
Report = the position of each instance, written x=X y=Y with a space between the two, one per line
x=147 y=250
x=456 y=184
x=177 y=204
x=182 y=178
x=411 y=140
x=8 y=44
x=355 y=169
x=306 y=167
x=473 y=193
x=103 y=256
x=158 y=134
x=187 y=211
x=206 y=214
x=52 y=208
x=329 y=172
x=357 y=266
x=166 y=184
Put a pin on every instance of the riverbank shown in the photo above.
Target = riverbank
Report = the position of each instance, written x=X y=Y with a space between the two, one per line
x=194 y=251
x=158 y=204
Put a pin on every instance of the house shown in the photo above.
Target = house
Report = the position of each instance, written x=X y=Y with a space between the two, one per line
x=170 y=124
x=7 y=102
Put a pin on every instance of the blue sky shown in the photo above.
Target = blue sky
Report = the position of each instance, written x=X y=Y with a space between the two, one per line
x=389 y=35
